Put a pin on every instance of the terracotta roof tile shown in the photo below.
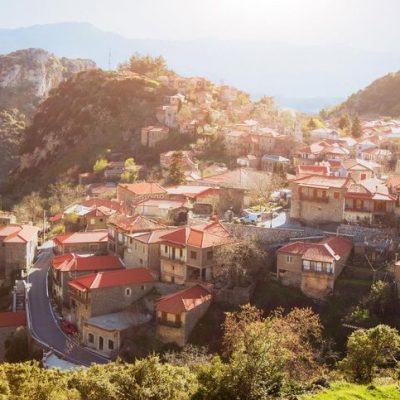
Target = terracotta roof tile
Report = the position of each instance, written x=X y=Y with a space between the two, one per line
x=74 y=262
x=99 y=236
x=143 y=188
x=184 y=300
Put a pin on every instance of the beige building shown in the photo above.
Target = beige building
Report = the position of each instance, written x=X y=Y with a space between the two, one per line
x=107 y=292
x=128 y=193
x=92 y=242
x=178 y=314
x=318 y=199
x=151 y=135
x=18 y=245
x=188 y=253
x=313 y=267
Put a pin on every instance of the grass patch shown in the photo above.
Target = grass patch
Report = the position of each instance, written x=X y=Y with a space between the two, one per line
x=347 y=391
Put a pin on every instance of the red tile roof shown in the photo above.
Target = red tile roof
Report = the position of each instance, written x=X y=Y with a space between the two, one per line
x=18 y=233
x=184 y=300
x=318 y=180
x=143 y=188
x=109 y=279
x=100 y=236
x=11 y=319
x=135 y=223
x=74 y=262
x=328 y=250
x=98 y=202
x=312 y=170
x=201 y=236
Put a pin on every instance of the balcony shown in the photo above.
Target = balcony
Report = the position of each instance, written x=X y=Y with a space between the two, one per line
x=357 y=209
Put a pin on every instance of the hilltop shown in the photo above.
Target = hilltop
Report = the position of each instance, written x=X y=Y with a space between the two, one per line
x=380 y=98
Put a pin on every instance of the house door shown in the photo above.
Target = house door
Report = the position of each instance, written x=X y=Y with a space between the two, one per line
x=101 y=343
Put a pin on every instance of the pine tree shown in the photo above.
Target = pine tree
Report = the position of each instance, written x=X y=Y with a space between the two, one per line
x=176 y=174
x=356 y=129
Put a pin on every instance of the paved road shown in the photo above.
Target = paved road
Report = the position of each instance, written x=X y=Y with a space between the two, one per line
x=44 y=326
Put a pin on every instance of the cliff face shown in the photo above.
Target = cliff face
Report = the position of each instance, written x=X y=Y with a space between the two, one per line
x=27 y=76
x=92 y=112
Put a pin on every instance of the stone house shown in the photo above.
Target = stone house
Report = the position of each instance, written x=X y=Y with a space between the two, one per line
x=187 y=163
x=151 y=135
x=307 y=170
x=166 y=115
x=71 y=266
x=273 y=163
x=121 y=226
x=361 y=170
x=313 y=267
x=128 y=193
x=369 y=201
x=163 y=210
x=10 y=322
x=178 y=314
x=318 y=199
x=106 y=333
x=188 y=253
x=195 y=194
x=248 y=161
x=143 y=250
x=18 y=246
x=107 y=292
x=92 y=242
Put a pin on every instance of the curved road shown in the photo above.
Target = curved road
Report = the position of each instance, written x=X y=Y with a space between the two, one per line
x=43 y=324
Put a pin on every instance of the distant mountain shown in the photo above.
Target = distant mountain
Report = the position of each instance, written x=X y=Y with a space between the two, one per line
x=380 y=98
x=323 y=73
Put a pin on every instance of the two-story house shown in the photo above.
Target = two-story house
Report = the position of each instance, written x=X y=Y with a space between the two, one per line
x=318 y=199
x=128 y=193
x=91 y=242
x=313 y=267
x=107 y=292
x=188 y=253
x=178 y=313
x=18 y=245
x=120 y=226
x=70 y=266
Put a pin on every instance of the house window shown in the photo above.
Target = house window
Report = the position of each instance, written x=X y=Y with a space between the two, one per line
x=129 y=250
x=306 y=265
x=130 y=240
x=143 y=287
x=128 y=291
x=141 y=260
x=110 y=345
x=209 y=255
x=329 y=268
x=318 y=266
x=101 y=343
x=336 y=195
x=101 y=220
x=90 y=338
x=92 y=221
x=193 y=255
x=181 y=253
x=165 y=249
x=289 y=259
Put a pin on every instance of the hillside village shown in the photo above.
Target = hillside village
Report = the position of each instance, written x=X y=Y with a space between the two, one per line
x=215 y=202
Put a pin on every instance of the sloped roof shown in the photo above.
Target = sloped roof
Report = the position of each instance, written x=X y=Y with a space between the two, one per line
x=318 y=180
x=18 y=233
x=201 y=236
x=134 y=223
x=184 y=300
x=109 y=279
x=328 y=250
x=74 y=262
x=143 y=188
x=99 y=236
x=312 y=169
x=12 y=319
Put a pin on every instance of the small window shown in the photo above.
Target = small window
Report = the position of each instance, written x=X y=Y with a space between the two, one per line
x=193 y=255
x=130 y=240
x=165 y=249
x=306 y=265
x=128 y=291
x=141 y=260
x=289 y=259
x=92 y=221
x=90 y=338
x=143 y=287
x=181 y=253
x=318 y=266
x=336 y=195
x=101 y=343
x=129 y=250
x=110 y=345
x=101 y=220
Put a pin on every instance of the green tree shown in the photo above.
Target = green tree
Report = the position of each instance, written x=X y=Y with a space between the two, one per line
x=344 y=122
x=356 y=129
x=130 y=175
x=176 y=173
x=100 y=165
x=367 y=350
x=152 y=67
x=30 y=209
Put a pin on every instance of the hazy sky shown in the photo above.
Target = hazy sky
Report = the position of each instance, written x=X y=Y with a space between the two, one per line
x=372 y=24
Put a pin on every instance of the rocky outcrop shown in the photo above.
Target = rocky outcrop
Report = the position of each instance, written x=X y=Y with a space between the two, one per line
x=27 y=77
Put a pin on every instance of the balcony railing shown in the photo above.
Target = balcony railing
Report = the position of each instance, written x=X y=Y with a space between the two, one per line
x=357 y=209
